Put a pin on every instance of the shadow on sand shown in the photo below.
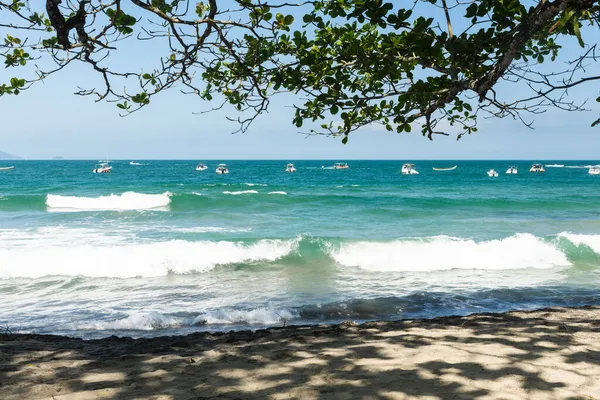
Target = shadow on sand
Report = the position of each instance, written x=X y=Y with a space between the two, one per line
x=545 y=354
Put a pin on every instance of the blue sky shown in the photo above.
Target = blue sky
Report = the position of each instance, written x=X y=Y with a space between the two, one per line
x=48 y=121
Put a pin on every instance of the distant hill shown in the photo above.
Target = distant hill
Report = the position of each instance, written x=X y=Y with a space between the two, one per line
x=6 y=156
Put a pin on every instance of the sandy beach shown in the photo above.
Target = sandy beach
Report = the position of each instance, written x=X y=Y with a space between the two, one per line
x=545 y=354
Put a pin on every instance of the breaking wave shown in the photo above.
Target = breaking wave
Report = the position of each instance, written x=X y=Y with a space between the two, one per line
x=136 y=260
x=241 y=192
x=445 y=253
x=120 y=254
x=148 y=321
x=125 y=202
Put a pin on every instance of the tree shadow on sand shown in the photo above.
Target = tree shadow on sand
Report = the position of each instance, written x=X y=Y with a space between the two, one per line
x=547 y=354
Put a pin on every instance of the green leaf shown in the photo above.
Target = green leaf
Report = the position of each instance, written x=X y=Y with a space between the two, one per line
x=288 y=20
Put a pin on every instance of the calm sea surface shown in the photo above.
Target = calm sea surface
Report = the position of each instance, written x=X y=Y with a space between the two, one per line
x=160 y=248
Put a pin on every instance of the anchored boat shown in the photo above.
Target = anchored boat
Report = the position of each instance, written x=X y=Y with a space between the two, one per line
x=290 y=168
x=409 y=169
x=537 y=168
x=445 y=169
x=102 y=168
x=222 y=169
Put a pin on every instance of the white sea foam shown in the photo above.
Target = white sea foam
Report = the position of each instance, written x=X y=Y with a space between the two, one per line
x=128 y=260
x=445 y=253
x=278 y=192
x=256 y=184
x=260 y=316
x=197 y=194
x=207 y=229
x=555 y=165
x=124 y=202
x=591 y=241
x=138 y=321
x=148 y=321
x=241 y=192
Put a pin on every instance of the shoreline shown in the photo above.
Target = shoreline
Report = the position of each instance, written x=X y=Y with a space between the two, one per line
x=549 y=353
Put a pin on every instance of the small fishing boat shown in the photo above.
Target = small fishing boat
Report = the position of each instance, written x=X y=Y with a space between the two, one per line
x=512 y=170
x=445 y=169
x=492 y=173
x=409 y=169
x=222 y=169
x=102 y=168
x=7 y=168
x=537 y=168
x=290 y=168
x=201 y=167
x=594 y=170
x=340 y=165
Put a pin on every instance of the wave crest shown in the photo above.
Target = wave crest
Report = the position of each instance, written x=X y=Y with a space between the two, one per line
x=241 y=192
x=133 y=260
x=446 y=253
x=591 y=241
x=127 y=201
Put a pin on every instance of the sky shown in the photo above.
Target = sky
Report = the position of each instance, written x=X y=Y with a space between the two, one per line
x=49 y=121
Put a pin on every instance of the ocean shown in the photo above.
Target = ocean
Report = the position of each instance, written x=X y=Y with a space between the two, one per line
x=162 y=249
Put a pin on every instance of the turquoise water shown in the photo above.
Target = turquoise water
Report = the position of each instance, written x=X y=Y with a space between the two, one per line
x=160 y=248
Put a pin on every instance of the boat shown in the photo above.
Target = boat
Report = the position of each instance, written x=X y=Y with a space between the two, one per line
x=134 y=163
x=594 y=170
x=7 y=168
x=512 y=170
x=201 y=167
x=340 y=165
x=102 y=167
x=409 y=169
x=445 y=169
x=290 y=168
x=222 y=169
x=537 y=168
x=492 y=173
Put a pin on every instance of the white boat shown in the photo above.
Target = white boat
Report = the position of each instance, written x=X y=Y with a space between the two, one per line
x=102 y=168
x=594 y=170
x=201 y=167
x=492 y=173
x=409 y=169
x=340 y=165
x=290 y=168
x=7 y=168
x=445 y=169
x=134 y=163
x=537 y=168
x=222 y=169
x=512 y=170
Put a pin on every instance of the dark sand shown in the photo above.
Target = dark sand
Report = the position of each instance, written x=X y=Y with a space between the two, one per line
x=545 y=354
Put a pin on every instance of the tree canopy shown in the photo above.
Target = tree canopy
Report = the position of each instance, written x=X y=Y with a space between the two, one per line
x=349 y=63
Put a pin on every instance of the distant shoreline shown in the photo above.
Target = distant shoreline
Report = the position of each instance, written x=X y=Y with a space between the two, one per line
x=545 y=353
x=216 y=160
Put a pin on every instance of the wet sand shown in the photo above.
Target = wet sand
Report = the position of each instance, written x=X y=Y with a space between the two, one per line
x=544 y=354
